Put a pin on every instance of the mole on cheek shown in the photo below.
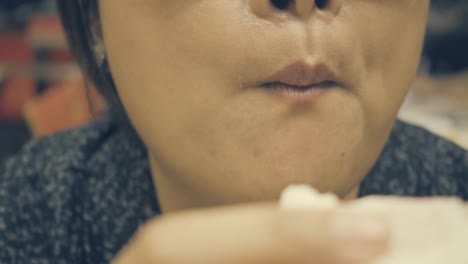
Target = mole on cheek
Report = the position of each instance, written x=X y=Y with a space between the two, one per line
x=212 y=153
x=257 y=153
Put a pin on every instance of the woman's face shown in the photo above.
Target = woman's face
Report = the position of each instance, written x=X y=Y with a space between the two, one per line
x=202 y=82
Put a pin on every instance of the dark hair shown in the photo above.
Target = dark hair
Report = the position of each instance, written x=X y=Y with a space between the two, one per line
x=80 y=19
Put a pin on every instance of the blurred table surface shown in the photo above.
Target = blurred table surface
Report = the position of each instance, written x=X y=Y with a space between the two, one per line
x=440 y=104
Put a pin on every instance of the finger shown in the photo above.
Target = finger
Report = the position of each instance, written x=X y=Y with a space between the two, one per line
x=335 y=236
x=256 y=234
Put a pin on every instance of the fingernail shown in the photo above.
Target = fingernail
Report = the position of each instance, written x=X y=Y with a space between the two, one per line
x=358 y=237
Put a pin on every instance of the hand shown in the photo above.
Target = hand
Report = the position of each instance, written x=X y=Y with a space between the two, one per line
x=429 y=230
x=259 y=233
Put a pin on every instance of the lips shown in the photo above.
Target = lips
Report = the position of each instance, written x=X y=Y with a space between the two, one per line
x=302 y=75
x=301 y=80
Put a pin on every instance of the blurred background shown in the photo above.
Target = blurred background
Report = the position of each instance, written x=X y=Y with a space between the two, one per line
x=41 y=88
x=43 y=92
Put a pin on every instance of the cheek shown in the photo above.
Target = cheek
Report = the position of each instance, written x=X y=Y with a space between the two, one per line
x=387 y=43
x=393 y=39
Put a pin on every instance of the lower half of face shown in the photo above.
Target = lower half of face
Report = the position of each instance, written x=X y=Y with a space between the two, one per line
x=198 y=81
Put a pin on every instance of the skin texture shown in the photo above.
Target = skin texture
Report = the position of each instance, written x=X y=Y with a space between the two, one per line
x=188 y=73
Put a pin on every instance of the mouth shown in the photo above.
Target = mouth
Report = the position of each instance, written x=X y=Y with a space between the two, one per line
x=302 y=82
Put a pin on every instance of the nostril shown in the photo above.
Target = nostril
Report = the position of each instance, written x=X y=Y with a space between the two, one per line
x=281 y=4
x=321 y=4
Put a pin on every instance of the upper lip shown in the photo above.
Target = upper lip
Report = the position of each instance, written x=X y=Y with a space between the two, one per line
x=303 y=74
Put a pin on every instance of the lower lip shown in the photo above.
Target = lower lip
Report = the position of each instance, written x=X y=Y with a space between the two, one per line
x=302 y=95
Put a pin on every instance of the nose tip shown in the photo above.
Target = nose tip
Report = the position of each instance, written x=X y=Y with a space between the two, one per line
x=300 y=8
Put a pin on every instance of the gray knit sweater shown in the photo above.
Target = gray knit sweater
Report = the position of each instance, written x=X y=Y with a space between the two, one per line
x=78 y=196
